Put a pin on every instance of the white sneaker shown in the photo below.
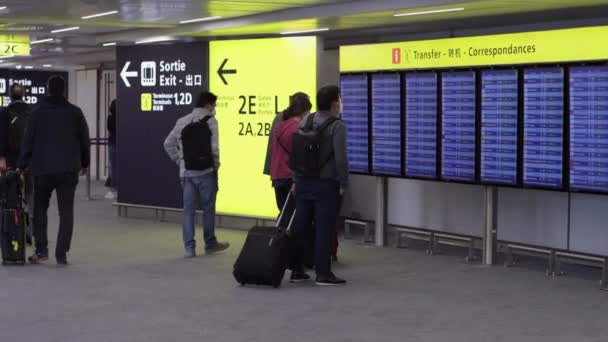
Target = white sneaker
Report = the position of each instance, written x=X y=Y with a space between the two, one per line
x=110 y=195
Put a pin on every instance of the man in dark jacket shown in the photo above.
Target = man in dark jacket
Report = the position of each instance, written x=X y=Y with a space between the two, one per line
x=56 y=148
x=9 y=144
x=13 y=123
x=317 y=198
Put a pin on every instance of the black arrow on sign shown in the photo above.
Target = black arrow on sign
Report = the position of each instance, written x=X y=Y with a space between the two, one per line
x=221 y=71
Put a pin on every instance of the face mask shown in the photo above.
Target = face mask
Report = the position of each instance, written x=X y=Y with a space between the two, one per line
x=341 y=108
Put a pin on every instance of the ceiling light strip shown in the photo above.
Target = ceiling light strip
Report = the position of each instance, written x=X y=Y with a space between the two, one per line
x=99 y=15
x=109 y=44
x=199 y=20
x=430 y=12
x=66 y=29
x=42 y=41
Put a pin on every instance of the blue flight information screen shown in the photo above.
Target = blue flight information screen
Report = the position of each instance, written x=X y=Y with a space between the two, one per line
x=458 y=126
x=355 y=116
x=499 y=127
x=543 y=127
x=589 y=128
x=421 y=125
x=386 y=124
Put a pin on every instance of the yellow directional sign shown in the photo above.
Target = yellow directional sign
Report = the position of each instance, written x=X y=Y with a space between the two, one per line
x=579 y=44
x=253 y=80
x=14 y=45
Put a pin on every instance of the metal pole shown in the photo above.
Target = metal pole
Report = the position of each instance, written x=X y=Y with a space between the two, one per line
x=380 y=211
x=489 y=231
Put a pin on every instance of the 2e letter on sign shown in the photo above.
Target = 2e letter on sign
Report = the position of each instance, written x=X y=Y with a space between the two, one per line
x=244 y=100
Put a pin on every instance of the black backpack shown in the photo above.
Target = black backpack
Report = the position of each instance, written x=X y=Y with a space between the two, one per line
x=305 y=157
x=18 y=126
x=196 y=145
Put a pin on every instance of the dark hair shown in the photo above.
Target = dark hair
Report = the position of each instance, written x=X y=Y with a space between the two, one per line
x=17 y=91
x=206 y=98
x=56 y=86
x=113 y=107
x=326 y=96
x=299 y=103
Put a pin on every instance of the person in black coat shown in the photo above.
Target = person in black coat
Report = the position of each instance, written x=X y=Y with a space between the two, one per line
x=56 y=149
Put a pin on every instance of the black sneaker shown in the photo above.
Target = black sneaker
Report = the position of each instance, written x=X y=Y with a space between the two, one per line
x=36 y=258
x=62 y=262
x=329 y=280
x=218 y=247
x=298 y=277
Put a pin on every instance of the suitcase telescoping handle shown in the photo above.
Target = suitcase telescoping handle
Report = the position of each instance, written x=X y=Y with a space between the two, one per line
x=293 y=215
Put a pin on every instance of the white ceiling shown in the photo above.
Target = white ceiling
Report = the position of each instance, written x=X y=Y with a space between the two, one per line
x=143 y=19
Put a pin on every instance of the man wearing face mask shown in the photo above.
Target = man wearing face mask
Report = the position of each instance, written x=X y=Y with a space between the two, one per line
x=317 y=197
x=194 y=145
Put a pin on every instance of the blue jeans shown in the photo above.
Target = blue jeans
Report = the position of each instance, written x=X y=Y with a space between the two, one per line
x=316 y=200
x=202 y=191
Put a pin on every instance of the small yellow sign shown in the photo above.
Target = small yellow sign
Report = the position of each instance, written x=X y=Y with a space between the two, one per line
x=568 y=45
x=14 y=45
x=146 y=102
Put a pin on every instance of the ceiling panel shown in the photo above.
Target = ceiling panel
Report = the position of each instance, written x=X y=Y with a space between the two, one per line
x=386 y=18
x=139 y=19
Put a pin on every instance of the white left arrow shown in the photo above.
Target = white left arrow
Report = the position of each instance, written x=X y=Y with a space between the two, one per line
x=125 y=74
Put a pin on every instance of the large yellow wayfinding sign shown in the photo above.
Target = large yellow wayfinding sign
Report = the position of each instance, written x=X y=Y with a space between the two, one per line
x=579 y=44
x=253 y=80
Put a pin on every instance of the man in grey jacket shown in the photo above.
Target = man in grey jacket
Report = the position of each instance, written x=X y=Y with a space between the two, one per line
x=194 y=145
x=317 y=198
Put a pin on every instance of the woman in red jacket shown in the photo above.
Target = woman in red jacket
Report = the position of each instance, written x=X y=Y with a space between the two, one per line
x=281 y=146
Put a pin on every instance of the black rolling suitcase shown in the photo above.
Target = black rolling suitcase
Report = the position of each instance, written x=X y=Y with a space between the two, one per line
x=12 y=219
x=264 y=257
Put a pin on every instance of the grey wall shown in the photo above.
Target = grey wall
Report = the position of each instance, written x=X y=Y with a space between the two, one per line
x=589 y=224
x=533 y=217
x=445 y=207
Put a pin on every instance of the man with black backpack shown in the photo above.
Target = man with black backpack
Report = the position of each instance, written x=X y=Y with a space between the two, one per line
x=13 y=123
x=319 y=162
x=194 y=145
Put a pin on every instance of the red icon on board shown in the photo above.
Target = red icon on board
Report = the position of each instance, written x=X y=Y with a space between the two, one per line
x=396 y=56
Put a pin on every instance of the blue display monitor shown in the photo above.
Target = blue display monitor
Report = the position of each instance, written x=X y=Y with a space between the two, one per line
x=543 y=128
x=421 y=125
x=499 y=127
x=386 y=124
x=589 y=128
x=458 y=126
x=356 y=117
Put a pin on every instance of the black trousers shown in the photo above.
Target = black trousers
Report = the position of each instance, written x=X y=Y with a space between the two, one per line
x=64 y=185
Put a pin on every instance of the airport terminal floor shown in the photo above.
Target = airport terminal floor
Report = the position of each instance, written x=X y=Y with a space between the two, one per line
x=128 y=282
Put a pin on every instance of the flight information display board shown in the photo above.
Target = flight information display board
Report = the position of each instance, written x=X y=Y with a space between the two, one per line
x=589 y=128
x=356 y=116
x=421 y=125
x=499 y=127
x=458 y=126
x=386 y=124
x=543 y=127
